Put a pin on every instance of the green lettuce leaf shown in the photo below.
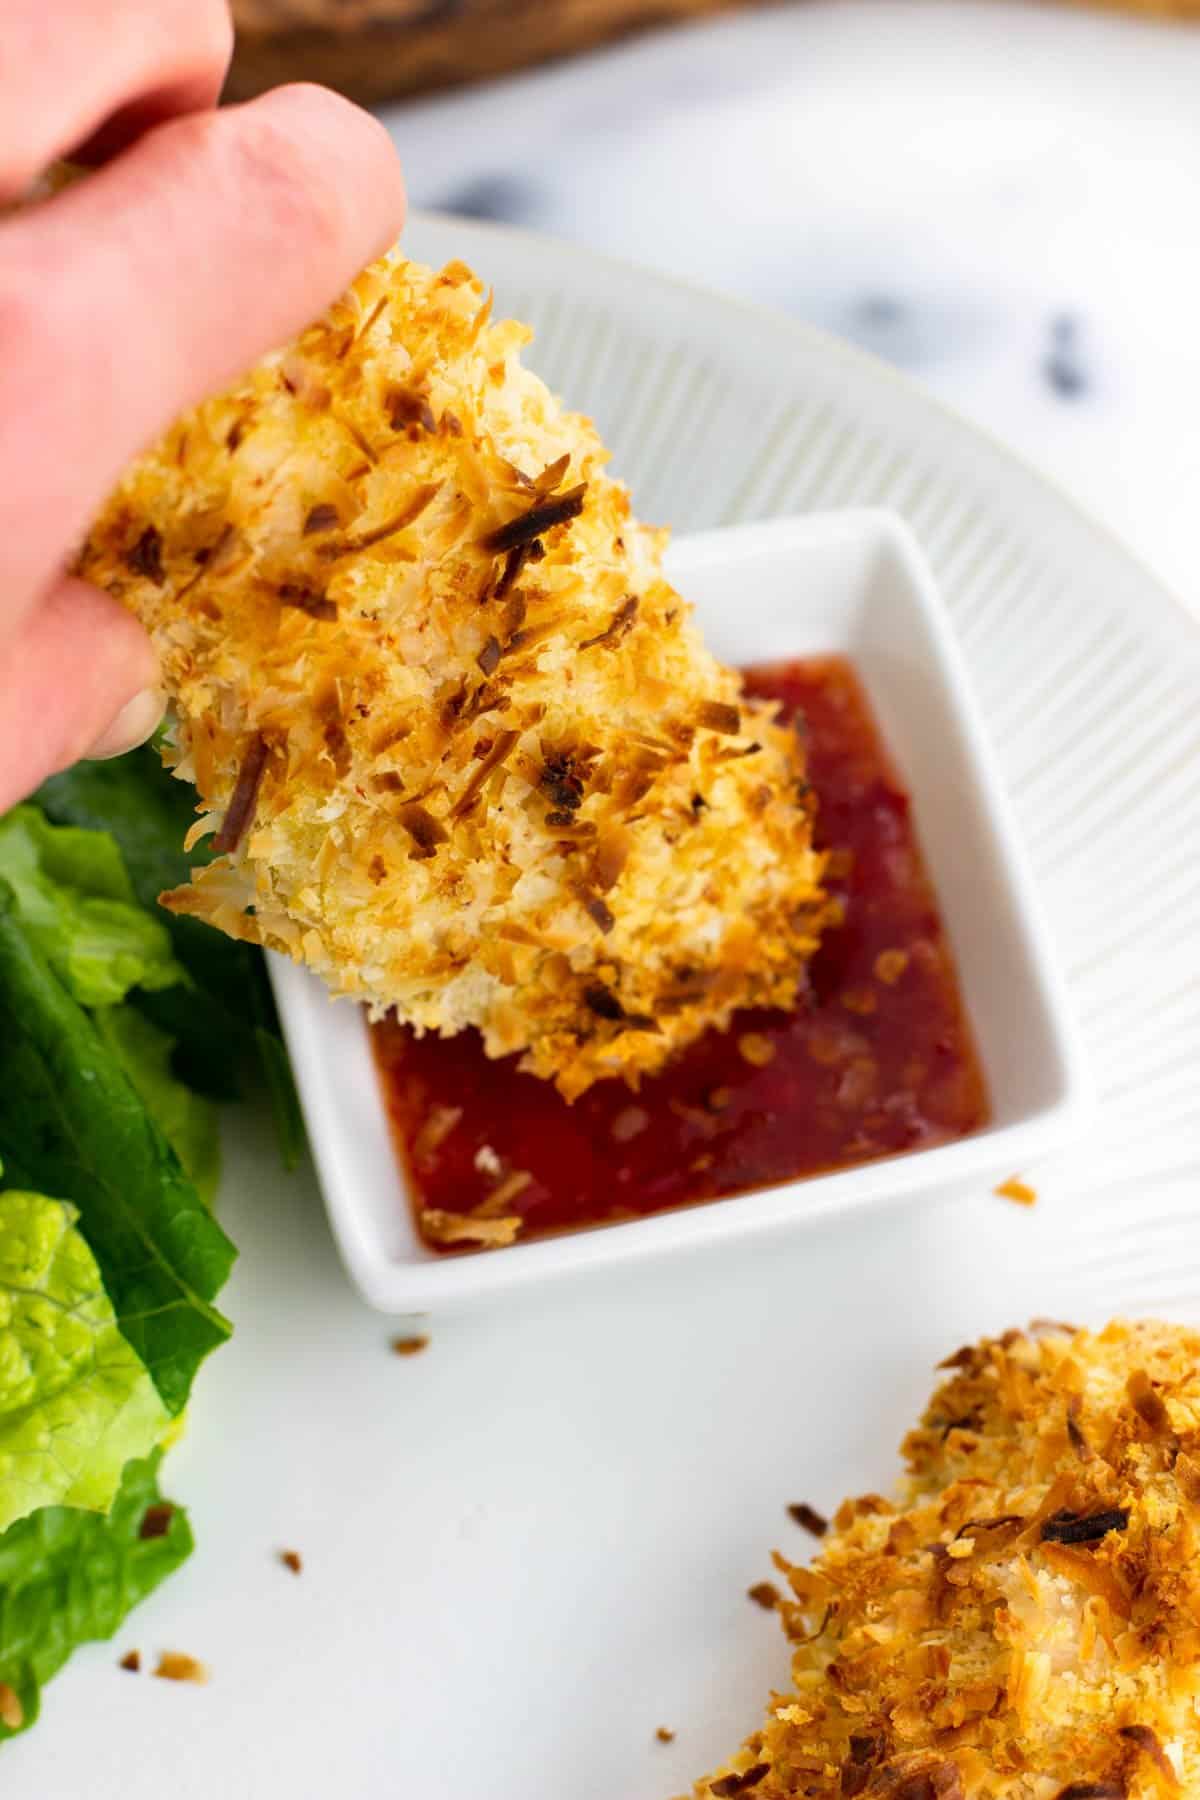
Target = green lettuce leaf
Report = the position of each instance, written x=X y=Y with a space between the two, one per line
x=75 y=1402
x=72 y=1124
x=148 y=813
x=188 y=1121
x=76 y=900
x=68 y=1577
x=227 y=1022
x=285 y=1101
x=106 y=1296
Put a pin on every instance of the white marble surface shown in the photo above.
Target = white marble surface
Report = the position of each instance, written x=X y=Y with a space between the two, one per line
x=1002 y=200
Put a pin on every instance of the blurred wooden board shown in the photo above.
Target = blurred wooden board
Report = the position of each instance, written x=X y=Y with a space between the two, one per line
x=380 y=49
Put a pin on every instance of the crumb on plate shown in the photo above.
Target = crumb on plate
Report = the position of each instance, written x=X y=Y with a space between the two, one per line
x=764 y=1594
x=808 y=1518
x=175 y=1665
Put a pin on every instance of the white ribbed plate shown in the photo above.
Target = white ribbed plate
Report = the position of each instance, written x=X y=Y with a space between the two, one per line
x=529 y=1547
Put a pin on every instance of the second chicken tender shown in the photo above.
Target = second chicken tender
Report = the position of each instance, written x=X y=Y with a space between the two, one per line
x=1021 y=1621
x=463 y=749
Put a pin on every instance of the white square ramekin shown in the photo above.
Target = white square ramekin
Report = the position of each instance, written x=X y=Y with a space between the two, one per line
x=854 y=583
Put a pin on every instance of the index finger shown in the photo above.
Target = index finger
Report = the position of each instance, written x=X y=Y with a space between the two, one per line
x=136 y=293
x=74 y=68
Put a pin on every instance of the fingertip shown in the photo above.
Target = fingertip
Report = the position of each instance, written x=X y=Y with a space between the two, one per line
x=74 y=681
x=336 y=132
x=107 y=668
x=137 y=720
x=122 y=660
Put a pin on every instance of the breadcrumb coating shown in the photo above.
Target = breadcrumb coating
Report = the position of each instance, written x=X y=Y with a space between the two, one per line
x=461 y=745
x=1022 y=1622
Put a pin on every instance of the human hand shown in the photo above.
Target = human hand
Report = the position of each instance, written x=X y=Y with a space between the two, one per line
x=203 y=240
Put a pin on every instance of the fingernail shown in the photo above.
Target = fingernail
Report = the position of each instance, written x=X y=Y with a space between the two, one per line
x=136 y=720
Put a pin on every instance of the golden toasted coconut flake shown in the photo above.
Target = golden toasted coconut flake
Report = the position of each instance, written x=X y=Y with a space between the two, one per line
x=176 y=1665
x=438 y=699
x=471 y=1230
x=1023 y=1623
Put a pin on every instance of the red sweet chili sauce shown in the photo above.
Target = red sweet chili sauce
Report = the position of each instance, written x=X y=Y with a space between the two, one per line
x=881 y=1060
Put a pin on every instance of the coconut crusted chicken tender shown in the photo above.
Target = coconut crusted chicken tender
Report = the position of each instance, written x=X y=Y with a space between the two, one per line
x=463 y=749
x=1023 y=1621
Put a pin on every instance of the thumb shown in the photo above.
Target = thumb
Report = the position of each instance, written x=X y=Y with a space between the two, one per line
x=77 y=678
